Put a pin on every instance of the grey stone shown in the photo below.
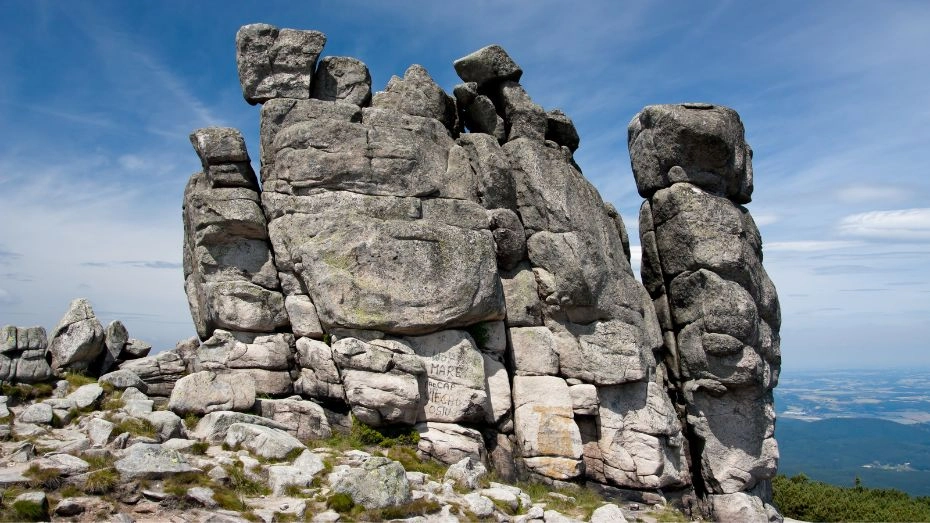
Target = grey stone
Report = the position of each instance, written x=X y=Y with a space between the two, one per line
x=523 y=117
x=300 y=474
x=497 y=387
x=738 y=506
x=303 y=317
x=69 y=507
x=455 y=379
x=342 y=78
x=36 y=413
x=545 y=428
x=202 y=496
x=77 y=340
x=418 y=95
x=275 y=63
x=609 y=513
x=115 y=339
x=584 y=399
x=262 y=441
x=214 y=426
x=22 y=354
x=305 y=420
x=65 y=464
x=219 y=145
x=151 y=461
x=534 y=351
x=509 y=238
x=123 y=379
x=86 y=395
x=136 y=349
x=486 y=65
x=377 y=483
x=159 y=372
x=466 y=473
x=696 y=143
x=479 y=505
x=522 y=298
x=167 y=424
x=495 y=184
x=450 y=443
x=99 y=431
x=225 y=351
x=206 y=391
x=561 y=130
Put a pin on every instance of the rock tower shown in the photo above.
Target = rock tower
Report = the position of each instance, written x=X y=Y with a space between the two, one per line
x=440 y=261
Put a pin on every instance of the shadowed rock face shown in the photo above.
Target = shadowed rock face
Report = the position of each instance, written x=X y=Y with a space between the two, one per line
x=422 y=258
x=702 y=265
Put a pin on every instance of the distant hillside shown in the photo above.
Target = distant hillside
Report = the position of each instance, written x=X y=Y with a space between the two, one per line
x=836 y=450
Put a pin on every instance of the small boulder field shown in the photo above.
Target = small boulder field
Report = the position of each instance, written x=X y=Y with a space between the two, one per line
x=85 y=449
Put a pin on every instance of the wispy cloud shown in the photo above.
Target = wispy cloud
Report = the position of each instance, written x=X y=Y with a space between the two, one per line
x=809 y=245
x=7 y=256
x=900 y=225
x=862 y=193
x=155 y=264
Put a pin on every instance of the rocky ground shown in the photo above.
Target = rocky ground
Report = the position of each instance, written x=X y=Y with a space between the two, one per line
x=87 y=451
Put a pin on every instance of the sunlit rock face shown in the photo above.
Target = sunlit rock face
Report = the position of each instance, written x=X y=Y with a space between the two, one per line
x=416 y=257
x=702 y=265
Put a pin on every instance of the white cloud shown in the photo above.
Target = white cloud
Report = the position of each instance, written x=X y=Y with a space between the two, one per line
x=901 y=225
x=809 y=245
x=636 y=258
x=6 y=298
x=763 y=219
x=870 y=193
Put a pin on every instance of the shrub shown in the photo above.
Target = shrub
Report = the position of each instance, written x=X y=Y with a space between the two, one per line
x=799 y=497
x=365 y=435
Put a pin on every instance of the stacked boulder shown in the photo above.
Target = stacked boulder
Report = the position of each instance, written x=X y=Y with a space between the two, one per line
x=79 y=344
x=422 y=259
x=702 y=265
x=22 y=355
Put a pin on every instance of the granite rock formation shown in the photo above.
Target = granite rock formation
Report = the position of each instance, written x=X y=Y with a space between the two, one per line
x=702 y=265
x=440 y=261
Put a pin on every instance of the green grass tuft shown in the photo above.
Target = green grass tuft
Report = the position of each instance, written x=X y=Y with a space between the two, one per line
x=340 y=502
x=46 y=479
x=76 y=380
x=29 y=511
x=136 y=427
x=407 y=456
x=21 y=392
x=191 y=420
x=199 y=448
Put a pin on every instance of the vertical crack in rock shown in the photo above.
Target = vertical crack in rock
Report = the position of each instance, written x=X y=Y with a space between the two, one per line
x=702 y=265
x=475 y=285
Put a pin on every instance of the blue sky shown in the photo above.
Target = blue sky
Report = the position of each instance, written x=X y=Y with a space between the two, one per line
x=97 y=100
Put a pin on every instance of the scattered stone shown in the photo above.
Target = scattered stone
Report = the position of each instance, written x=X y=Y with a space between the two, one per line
x=69 y=507
x=123 y=379
x=86 y=396
x=214 y=426
x=202 y=496
x=266 y=442
x=77 y=341
x=377 y=483
x=151 y=461
x=467 y=473
x=36 y=413
x=36 y=500
x=608 y=513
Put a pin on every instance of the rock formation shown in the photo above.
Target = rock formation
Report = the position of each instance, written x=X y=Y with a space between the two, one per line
x=702 y=265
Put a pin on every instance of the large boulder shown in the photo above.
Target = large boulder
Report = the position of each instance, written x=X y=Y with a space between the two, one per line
x=276 y=63
x=455 y=379
x=266 y=442
x=77 y=341
x=161 y=371
x=342 y=78
x=151 y=461
x=545 y=428
x=266 y=358
x=207 y=391
x=377 y=483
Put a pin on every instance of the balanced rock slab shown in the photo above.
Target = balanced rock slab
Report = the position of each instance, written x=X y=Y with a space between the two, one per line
x=276 y=63
x=207 y=391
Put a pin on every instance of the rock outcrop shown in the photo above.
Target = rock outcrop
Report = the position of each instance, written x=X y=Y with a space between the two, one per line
x=702 y=265
x=416 y=257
